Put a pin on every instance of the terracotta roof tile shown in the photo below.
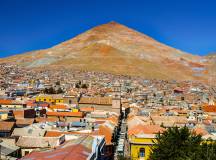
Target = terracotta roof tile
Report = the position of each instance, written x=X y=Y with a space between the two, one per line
x=146 y=129
x=209 y=108
x=113 y=119
x=6 y=126
x=107 y=132
x=65 y=114
x=18 y=113
x=96 y=100
x=58 y=107
x=200 y=131
x=53 y=133
x=5 y=101
x=9 y=102
x=24 y=121
x=59 y=133
x=87 y=109
x=74 y=152
x=48 y=119
x=68 y=151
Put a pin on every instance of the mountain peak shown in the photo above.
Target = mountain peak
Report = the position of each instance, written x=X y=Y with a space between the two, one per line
x=113 y=48
x=118 y=30
x=113 y=23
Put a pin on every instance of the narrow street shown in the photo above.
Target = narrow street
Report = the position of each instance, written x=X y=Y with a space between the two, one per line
x=121 y=149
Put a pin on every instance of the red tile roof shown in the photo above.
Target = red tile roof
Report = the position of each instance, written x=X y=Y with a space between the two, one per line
x=75 y=152
x=54 y=133
x=113 y=119
x=18 y=114
x=25 y=121
x=6 y=126
x=65 y=152
x=87 y=109
x=146 y=129
x=48 y=119
x=200 y=131
x=59 y=133
x=209 y=108
x=29 y=104
x=9 y=102
x=65 y=114
x=96 y=100
x=107 y=132
x=58 y=107
x=5 y=101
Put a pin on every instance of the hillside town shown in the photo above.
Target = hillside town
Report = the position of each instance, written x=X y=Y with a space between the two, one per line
x=69 y=114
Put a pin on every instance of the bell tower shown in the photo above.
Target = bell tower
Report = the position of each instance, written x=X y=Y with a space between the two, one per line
x=116 y=98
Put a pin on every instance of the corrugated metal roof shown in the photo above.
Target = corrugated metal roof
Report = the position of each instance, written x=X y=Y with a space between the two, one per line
x=79 y=149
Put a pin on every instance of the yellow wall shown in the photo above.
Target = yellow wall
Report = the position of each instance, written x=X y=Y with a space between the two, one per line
x=3 y=116
x=59 y=101
x=137 y=143
x=44 y=99
x=48 y=99
x=75 y=110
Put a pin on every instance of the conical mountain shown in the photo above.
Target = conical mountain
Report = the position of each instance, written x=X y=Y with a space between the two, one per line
x=117 y=49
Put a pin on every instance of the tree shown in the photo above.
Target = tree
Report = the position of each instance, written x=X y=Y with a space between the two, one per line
x=46 y=91
x=51 y=90
x=59 y=90
x=208 y=150
x=177 y=144
x=58 y=83
x=77 y=85
x=121 y=157
x=84 y=86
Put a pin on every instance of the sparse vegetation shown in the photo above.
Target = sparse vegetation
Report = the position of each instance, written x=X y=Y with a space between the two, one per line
x=181 y=144
x=51 y=90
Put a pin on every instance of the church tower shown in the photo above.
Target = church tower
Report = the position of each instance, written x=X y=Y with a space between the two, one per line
x=116 y=98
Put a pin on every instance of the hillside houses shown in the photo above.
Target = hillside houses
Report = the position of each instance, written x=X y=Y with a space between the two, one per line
x=122 y=114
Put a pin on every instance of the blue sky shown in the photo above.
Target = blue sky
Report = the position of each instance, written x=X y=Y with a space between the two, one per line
x=25 y=25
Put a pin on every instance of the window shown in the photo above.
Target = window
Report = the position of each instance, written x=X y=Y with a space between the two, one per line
x=142 y=152
x=26 y=152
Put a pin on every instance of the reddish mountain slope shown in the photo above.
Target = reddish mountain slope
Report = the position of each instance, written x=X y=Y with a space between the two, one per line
x=115 y=48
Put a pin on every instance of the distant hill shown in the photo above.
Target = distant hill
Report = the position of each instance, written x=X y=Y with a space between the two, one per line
x=211 y=54
x=117 y=49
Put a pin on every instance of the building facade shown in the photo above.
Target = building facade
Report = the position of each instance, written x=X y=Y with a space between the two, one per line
x=116 y=98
